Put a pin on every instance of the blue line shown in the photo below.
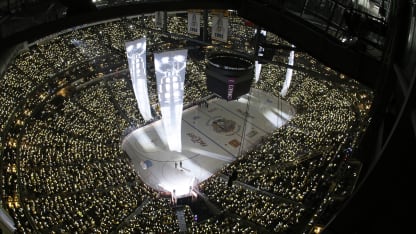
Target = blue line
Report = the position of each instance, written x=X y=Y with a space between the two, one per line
x=211 y=139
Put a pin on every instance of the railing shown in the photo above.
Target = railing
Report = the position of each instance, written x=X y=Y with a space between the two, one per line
x=359 y=26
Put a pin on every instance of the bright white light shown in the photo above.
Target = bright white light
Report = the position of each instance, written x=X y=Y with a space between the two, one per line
x=257 y=70
x=129 y=48
x=175 y=86
x=276 y=117
x=179 y=58
x=180 y=189
x=136 y=55
x=170 y=76
x=165 y=60
x=271 y=117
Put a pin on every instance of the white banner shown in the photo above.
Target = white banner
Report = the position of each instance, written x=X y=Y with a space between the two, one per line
x=194 y=23
x=170 y=68
x=159 y=19
x=219 y=27
x=136 y=56
x=257 y=70
x=289 y=73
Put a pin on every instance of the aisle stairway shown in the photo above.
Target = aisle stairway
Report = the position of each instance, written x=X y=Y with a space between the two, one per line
x=180 y=214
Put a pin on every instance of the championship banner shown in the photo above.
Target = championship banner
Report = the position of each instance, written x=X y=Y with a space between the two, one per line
x=170 y=68
x=219 y=27
x=159 y=19
x=194 y=22
x=136 y=56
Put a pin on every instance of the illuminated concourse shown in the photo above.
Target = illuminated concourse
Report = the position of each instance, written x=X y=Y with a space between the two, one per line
x=286 y=160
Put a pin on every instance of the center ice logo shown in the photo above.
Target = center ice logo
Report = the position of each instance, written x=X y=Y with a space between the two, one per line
x=223 y=125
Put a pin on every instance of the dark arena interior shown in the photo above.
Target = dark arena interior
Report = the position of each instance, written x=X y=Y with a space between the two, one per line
x=339 y=165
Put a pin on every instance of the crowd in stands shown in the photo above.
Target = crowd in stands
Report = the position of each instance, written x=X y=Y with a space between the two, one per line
x=157 y=216
x=265 y=210
x=67 y=100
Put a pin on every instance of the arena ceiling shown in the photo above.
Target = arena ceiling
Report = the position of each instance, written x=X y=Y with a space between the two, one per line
x=292 y=28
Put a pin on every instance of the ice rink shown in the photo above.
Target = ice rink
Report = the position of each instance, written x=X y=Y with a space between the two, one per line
x=212 y=137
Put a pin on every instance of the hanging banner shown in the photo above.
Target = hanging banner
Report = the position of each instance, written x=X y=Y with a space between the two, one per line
x=170 y=68
x=257 y=71
x=289 y=73
x=159 y=19
x=194 y=23
x=259 y=54
x=219 y=27
x=136 y=56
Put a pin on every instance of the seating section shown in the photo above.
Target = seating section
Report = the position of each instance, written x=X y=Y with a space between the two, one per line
x=68 y=100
